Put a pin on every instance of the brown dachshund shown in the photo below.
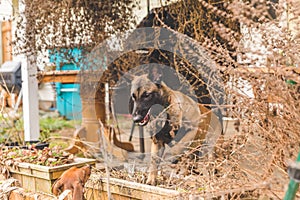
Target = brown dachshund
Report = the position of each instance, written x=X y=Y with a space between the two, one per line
x=73 y=179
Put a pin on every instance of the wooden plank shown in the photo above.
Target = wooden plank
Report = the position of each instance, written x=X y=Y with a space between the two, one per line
x=69 y=76
x=59 y=76
x=123 y=190
x=42 y=185
x=28 y=182
x=79 y=162
x=6 y=41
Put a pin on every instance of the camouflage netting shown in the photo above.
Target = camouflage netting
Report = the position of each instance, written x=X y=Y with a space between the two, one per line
x=248 y=163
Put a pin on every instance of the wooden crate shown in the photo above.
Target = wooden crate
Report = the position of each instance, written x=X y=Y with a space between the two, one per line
x=127 y=190
x=37 y=178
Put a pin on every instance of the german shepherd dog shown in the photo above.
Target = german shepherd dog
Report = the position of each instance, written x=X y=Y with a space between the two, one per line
x=186 y=122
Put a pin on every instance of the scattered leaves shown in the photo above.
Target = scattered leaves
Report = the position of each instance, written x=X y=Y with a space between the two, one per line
x=47 y=157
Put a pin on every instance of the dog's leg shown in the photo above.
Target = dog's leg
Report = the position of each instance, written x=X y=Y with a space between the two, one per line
x=157 y=150
x=175 y=119
x=57 y=187
x=77 y=190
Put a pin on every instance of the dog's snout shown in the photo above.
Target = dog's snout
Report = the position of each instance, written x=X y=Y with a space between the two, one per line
x=137 y=118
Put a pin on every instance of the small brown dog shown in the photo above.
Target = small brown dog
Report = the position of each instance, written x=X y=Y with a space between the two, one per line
x=73 y=179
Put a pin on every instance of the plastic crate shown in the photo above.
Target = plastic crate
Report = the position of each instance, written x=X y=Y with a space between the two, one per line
x=68 y=101
x=11 y=74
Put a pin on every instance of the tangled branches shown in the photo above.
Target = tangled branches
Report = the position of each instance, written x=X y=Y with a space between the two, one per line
x=237 y=35
x=68 y=24
x=263 y=100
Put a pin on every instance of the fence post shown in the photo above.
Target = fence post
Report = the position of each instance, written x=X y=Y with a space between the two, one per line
x=30 y=100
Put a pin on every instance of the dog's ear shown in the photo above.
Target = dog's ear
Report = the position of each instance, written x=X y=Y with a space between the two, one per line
x=127 y=76
x=157 y=82
x=130 y=104
x=156 y=77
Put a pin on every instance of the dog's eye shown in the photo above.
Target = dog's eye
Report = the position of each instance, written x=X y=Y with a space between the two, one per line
x=133 y=96
x=146 y=94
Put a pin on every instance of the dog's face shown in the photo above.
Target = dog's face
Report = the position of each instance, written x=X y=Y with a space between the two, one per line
x=144 y=94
